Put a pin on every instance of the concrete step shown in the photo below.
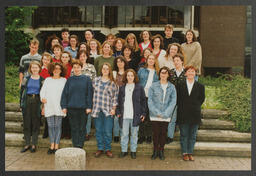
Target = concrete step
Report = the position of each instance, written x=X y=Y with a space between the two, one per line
x=220 y=136
x=217 y=124
x=203 y=134
x=206 y=113
x=16 y=127
x=201 y=148
x=13 y=116
x=12 y=107
x=213 y=113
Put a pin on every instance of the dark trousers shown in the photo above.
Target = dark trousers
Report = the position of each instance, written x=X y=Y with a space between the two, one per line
x=32 y=119
x=146 y=126
x=159 y=134
x=77 y=120
x=66 y=131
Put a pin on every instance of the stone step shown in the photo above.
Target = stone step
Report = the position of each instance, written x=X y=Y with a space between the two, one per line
x=217 y=124
x=16 y=127
x=213 y=113
x=206 y=123
x=13 y=116
x=12 y=107
x=203 y=135
x=201 y=148
x=206 y=113
x=220 y=136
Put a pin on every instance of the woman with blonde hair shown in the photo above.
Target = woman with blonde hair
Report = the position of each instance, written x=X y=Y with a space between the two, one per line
x=147 y=75
x=94 y=48
x=104 y=108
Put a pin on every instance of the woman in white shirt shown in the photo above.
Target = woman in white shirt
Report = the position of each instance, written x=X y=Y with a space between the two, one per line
x=50 y=95
x=131 y=111
x=158 y=51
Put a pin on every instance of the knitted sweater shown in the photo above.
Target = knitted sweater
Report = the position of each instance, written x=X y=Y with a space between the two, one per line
x=193 y=54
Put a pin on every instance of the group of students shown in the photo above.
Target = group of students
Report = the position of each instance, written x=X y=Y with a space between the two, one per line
x=130 y=89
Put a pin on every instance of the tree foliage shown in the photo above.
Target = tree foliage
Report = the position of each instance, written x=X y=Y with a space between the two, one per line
x=16 y=41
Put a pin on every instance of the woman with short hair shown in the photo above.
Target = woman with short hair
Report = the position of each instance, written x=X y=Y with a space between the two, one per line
x=30 y=104
x=72 y=48
x=76 y=102
x=191 y=95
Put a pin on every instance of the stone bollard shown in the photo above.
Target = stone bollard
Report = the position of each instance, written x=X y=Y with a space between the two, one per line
x=70 y=159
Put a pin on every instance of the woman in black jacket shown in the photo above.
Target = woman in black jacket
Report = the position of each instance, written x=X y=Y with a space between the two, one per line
x=131 y=110
x=191 y=95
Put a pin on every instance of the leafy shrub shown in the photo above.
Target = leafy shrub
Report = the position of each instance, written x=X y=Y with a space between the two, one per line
x=234 y=94
x=11 y=84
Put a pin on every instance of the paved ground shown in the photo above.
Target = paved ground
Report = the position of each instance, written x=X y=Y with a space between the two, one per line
x=16 y=161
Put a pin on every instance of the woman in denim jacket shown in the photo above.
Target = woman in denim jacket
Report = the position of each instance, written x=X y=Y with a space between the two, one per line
x=147 y=75
x=161 y=104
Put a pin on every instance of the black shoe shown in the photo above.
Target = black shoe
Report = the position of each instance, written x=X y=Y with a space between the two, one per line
x=155 y=155
x=33 y=149
x=161 y=155
x=141 y=140
x=50 y=151
x=26 y=148
x=123 y=154
x=116 y=139
x=133 y=155
x=169 y=140
x=54 y=150
x=149 y=140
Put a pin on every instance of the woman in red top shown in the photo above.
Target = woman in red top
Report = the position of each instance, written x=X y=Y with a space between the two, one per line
x=145 y=36
x=66 y=60
x=57 y=50
x=45 y=61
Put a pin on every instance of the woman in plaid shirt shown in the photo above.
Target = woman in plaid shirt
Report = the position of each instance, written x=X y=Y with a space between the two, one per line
x=104 y=107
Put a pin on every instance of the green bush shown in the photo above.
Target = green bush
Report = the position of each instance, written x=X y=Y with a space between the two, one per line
x=234 y=95
x=11 y=84
x=16 y=41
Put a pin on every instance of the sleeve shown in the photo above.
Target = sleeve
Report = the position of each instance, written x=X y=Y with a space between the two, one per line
x=171 y=105
x=64 y=96
x=21 y=66
x=151 y=104
x=143 y=102
x=93 y=72
x=119 y=99
x=96 y=65
x=43 y=90
x=115 y=94
x=89 y=93
x=202 y=94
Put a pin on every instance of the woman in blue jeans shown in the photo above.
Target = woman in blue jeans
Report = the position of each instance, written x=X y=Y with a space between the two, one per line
x=50 y=95
x=191 y=95
x=131 y=110
x=104 y=108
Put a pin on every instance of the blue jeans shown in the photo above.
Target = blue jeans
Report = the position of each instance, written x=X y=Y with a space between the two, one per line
x=77 y=120
x=103 y=126
x=54 y=128
x=188 y=134
x=88 y=124
x=127 y=124
x=171 y=126
x=116 y=129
